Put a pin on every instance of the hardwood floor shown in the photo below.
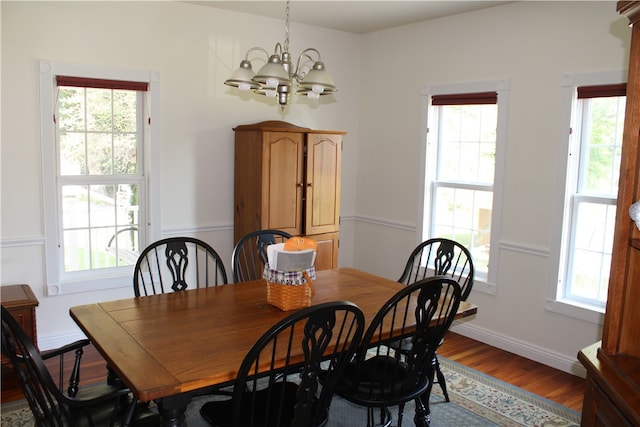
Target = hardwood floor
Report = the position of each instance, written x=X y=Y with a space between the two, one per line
x=555 y=385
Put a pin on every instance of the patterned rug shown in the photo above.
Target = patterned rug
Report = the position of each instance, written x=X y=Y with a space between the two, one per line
x=477 y=400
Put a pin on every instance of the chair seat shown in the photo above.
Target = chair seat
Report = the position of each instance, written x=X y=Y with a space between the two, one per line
x=219 y=413
x=104 y=413
x=381 y=381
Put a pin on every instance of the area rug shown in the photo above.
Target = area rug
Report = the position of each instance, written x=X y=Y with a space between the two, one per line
x=477 y=400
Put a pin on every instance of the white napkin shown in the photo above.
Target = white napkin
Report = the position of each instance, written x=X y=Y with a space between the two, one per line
x=282 y=260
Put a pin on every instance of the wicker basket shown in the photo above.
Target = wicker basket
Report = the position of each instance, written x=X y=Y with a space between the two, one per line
x=289 y=296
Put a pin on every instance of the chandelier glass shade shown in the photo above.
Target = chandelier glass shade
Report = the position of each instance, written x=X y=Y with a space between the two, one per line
x=277 y=77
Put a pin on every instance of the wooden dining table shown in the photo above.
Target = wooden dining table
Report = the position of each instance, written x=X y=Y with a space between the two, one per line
x=171 y=347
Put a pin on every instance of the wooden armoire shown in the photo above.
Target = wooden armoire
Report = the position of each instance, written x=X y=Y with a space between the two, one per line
x=288 y=178
x=612 y=394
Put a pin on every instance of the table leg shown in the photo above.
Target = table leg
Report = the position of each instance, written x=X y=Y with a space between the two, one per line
x=172 y=410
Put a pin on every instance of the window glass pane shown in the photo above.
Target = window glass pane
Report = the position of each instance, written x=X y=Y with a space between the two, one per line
x=102 y=205
x=487 y=161
x=99 y=110
x=100 y=257
x=602 y=145
x=100 y=154
x=124 y=246
x=76 y=250
x=75 y=206
x=71 y=105
x=73 y=159
x=124 y=111
x=125 y=154
x=594 y=227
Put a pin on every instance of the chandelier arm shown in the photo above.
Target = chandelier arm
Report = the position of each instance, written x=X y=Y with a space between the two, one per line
x=297 y=74
x=278 y=49
x=311 y=49
x=246 y=56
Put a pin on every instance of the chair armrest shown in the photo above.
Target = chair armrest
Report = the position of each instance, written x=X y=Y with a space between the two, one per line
x=74 y=378
x=48 y=354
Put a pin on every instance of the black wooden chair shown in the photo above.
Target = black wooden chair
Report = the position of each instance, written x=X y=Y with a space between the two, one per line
x=66 y=403
x=316 y=344
x=436 y=257
x=176 y=264
x=377 y=378
x=250 y=253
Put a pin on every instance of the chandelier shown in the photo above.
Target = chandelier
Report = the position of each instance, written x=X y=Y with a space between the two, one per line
x=277 y=77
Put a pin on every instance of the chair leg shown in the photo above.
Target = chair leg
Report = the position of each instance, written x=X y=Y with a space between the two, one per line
x=400 y=413
x=441 y=379
x=370 y=417
x=385 y=417
x=422 y=417
x=128 y=415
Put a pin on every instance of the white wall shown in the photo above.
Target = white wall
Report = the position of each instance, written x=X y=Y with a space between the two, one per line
x=195 y=48
x=532 y=44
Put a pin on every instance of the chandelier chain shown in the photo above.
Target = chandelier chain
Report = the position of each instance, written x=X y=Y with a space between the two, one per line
x=286 y=29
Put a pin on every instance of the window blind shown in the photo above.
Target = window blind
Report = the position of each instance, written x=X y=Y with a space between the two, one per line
x=601 y=91
x=101 y=83
x=465 y=98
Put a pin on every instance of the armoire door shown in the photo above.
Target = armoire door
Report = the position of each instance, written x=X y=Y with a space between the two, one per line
x=322 y=204
x=283 y=184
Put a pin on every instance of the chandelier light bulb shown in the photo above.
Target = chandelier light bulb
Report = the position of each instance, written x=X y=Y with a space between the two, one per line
x=270 y=93
x=244 y=86
x=272 y=82
x=313 y=95
x=317 y=89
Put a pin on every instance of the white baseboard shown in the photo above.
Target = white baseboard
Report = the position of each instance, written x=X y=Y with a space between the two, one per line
x=521 y=348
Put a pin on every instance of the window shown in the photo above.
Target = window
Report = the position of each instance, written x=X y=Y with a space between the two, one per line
x=593 y=150
x=95 y=144
x=463 y=158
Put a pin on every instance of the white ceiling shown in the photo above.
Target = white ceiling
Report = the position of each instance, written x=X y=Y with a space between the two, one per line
x=359 y=16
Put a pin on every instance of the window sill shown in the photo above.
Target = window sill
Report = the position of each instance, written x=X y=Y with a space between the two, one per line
x=89 y=285
x=576 y=311
x=484 y=287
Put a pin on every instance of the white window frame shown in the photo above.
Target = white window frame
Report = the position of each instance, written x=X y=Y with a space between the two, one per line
x=427 y=168
x=568 y=87
x=57 y=282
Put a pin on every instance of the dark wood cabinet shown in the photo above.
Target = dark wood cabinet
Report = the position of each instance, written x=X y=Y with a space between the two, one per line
x=612 y=395
x=288 y=178
x=21 y=303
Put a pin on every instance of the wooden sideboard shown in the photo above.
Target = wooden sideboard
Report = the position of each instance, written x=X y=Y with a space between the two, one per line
x=612 y=394
x=21 y=303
